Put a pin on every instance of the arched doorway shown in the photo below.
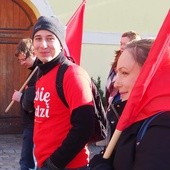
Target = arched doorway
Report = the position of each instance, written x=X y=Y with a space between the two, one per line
x=16 y=21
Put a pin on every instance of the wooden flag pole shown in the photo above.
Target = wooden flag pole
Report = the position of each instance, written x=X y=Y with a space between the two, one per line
x=22 y=88
x=112 y=144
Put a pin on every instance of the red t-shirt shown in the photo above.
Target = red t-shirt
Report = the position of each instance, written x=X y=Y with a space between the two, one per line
x=52 y=118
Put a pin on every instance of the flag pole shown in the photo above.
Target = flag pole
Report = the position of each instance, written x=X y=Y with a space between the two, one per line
x=22 y=88
x=112 y=143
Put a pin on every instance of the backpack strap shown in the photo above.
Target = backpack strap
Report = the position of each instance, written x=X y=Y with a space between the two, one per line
x=144 y=128
x=59 y=80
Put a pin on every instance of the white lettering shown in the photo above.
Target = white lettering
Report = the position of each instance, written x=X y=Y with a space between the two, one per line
x=42 y=96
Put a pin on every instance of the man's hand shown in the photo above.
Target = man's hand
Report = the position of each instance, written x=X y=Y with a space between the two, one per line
x=16 y=96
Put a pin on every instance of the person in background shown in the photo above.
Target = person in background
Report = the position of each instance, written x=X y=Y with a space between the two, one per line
x=111 y=93
x=25 y=56
x=61 y=134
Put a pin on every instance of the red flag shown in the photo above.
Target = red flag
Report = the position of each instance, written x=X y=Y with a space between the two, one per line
x=151 y=93
x=74 y=31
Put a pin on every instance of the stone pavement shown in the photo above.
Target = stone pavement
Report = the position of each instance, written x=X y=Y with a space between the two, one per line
x=10 y=149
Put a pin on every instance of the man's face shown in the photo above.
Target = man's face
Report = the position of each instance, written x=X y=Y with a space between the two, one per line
x=26 y=62
x=123 y=42
x=46 y=46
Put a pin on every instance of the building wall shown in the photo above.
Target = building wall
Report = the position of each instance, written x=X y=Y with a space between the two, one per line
x=105 y=21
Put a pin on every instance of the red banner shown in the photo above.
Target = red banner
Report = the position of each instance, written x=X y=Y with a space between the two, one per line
x=74 y=32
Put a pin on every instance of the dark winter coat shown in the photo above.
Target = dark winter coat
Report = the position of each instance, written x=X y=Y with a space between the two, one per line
x=151 y=154
x=113 y=114
x=28 y=95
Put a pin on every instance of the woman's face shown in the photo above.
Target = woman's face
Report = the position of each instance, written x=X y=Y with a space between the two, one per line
x=127 y=72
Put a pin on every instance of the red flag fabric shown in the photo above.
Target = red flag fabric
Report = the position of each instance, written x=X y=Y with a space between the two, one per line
x=151 y=92
x=74 y=31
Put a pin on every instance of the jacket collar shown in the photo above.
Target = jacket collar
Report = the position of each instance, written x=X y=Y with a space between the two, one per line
x=45 y=68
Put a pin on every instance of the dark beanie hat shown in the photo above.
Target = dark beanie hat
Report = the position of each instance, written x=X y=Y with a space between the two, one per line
x=51 y=24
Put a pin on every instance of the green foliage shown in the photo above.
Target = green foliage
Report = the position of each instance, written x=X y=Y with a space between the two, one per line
x=98 y=85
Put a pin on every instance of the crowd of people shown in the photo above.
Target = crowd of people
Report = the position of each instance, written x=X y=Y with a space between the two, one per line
x=55 y=137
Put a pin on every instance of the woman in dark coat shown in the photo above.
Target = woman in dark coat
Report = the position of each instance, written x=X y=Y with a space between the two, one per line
x=152 y=152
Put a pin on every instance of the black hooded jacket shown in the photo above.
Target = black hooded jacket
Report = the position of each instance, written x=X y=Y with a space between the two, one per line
x=28 y=97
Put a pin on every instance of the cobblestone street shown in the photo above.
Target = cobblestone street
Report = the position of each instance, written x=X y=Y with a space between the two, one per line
x=10 y=149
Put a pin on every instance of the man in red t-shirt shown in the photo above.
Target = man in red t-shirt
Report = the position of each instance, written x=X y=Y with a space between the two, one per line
x=60 y=133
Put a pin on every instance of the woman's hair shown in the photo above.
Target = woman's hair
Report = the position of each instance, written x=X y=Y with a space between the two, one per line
x=140 y=49
x=25 y=46
x=117 y=55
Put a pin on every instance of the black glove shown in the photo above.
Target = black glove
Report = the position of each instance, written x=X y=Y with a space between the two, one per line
x=99 y=163
x=49 y=164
